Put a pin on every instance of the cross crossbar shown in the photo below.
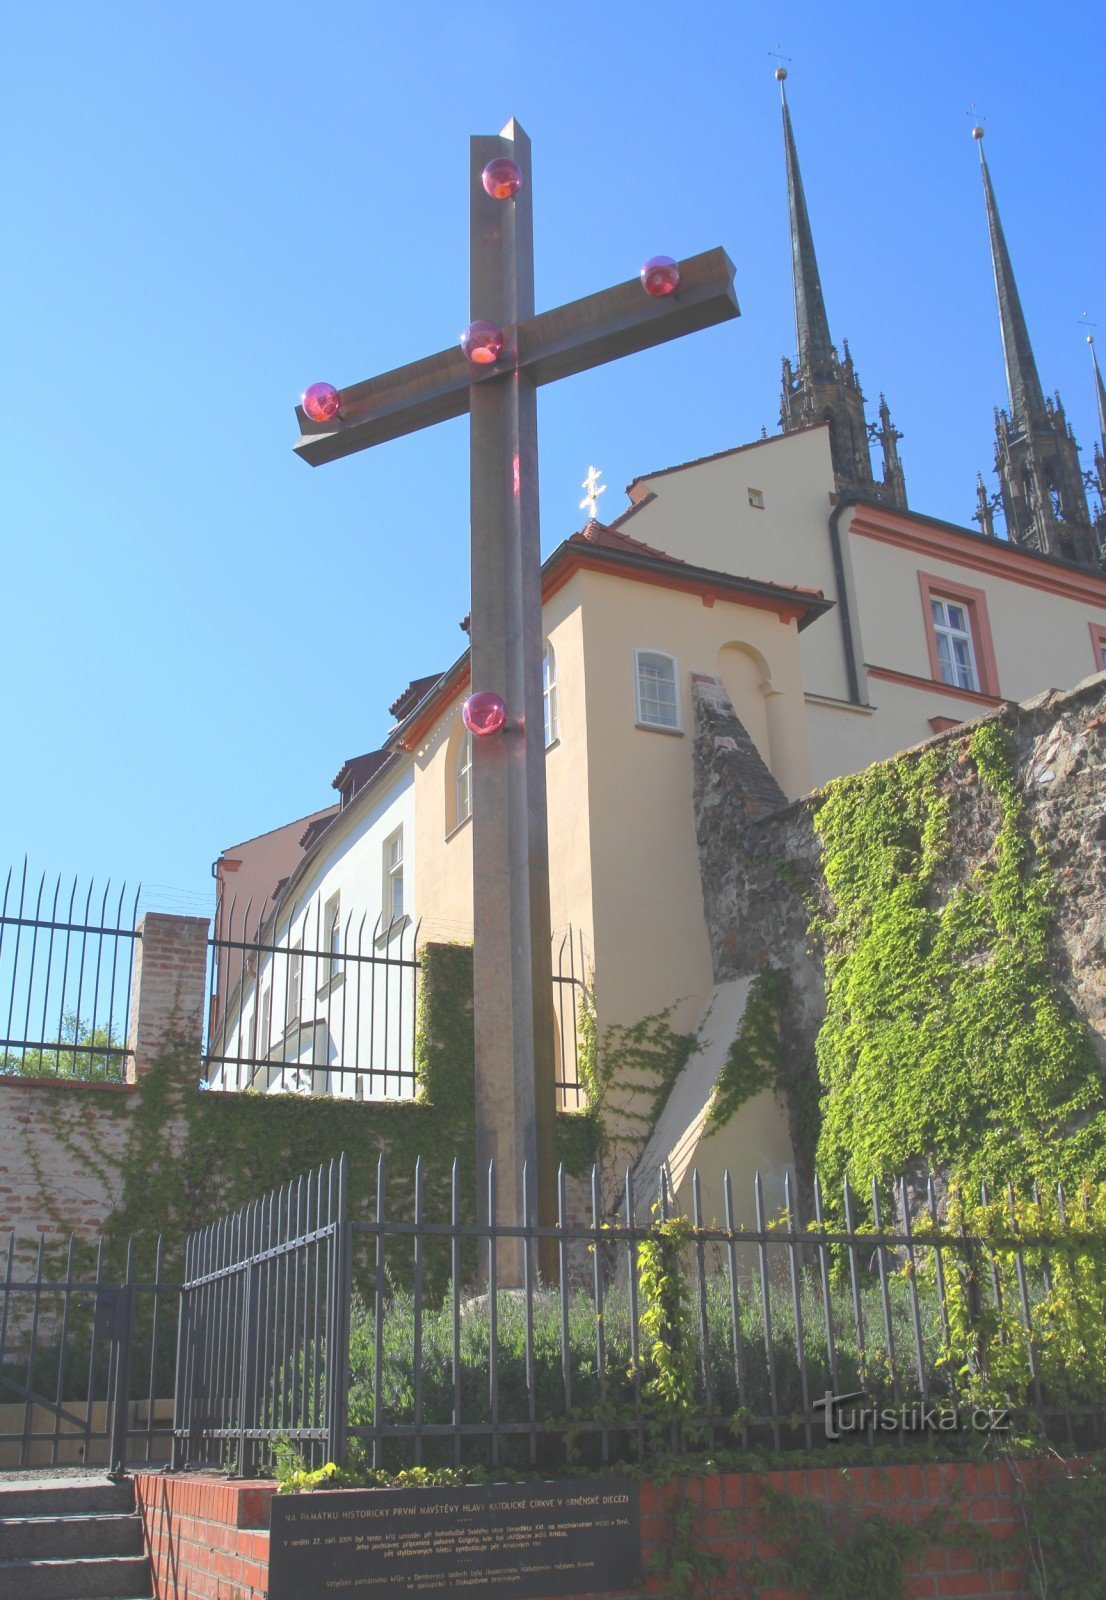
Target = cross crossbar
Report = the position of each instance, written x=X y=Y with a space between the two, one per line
x=555 y=344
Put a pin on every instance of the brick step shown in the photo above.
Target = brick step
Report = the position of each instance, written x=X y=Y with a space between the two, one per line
x=71 y=1536
x=95 y=1578
x=66 y=1497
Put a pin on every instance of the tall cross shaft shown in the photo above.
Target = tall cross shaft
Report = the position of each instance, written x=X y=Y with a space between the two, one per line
x=513 y=971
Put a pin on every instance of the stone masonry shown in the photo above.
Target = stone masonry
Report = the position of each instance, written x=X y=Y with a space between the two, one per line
x=761 y=865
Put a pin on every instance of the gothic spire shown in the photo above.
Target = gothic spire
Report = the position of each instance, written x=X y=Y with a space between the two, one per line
x=1100 y=390
x=1026 y=395
x=811 y=322
x=822 y=386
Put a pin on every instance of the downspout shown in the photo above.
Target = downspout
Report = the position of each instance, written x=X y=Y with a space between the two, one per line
x=843 y=601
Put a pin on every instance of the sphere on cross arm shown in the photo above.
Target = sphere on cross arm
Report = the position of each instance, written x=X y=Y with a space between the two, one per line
x=484 y=712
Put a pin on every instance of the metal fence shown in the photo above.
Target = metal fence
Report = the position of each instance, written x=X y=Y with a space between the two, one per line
x=66 y=957
x=327 y=1004
x=384 y=1343
x=87 y=1341
x=319 y=1004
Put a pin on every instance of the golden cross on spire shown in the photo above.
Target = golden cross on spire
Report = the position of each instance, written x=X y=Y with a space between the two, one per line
x=593 y=489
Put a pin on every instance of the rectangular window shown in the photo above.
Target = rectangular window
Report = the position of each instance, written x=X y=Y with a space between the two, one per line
x=332 y=935
x=549 y=692
x=265 y=1026
x=658 y=700
x=958 y=636
x=463 y=788
x=393 y=878
x=955 y=655
x=1098 y=639
x=756 y=499
x=294 y=992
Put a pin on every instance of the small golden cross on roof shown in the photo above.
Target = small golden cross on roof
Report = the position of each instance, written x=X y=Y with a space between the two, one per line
x=593 y=490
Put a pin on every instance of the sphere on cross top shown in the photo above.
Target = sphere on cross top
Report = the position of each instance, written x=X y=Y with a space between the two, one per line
x=484 y=712
x=502 y=178
x=483 y=342
x=321 y=402
x=660 y=276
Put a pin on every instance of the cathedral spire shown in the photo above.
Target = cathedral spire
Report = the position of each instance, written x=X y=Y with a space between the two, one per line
x=1041 y=488
x=822 y=387
x=811 y=322
x=1026 y=395
x=1100 y=391
x=1099 y=480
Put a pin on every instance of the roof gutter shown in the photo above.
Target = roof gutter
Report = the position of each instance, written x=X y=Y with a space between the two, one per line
x=843 y=612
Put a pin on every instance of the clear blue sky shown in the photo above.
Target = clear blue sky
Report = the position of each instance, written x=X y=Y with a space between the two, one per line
x=208 y=206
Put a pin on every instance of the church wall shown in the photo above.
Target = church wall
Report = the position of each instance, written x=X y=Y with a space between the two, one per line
x=702 y=514
x=1041 y=640
x=350 y=865
x=566 y=772
x=651 y=944
x=444 y=846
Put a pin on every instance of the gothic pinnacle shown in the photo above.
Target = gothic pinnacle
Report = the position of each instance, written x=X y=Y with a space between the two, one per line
x=1022 y=380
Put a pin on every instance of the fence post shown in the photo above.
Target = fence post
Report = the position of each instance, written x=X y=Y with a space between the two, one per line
x=168 y=985
x=337 y=1352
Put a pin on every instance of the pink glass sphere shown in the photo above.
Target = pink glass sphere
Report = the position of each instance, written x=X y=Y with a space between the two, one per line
x=483 y=713
x=502 y=178
x=660 y=276
x=482 y=342
x=322 y=402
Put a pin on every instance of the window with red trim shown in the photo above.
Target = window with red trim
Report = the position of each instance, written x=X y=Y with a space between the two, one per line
x=1098 y=639
x=958 y=635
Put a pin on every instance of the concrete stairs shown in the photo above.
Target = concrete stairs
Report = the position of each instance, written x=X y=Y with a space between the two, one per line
x=71 y=1539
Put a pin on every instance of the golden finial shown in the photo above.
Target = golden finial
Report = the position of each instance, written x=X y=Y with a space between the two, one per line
x=781 y=74
x=977 y=132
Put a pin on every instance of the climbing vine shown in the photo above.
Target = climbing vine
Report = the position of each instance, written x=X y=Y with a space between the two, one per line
x=754 y=1061
x=947 y=1036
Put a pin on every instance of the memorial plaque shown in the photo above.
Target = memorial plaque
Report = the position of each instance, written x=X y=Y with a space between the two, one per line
x=506 y=1540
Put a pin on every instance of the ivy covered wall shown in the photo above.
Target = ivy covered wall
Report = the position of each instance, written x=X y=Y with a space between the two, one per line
x=165 y=1156
x=940 y=919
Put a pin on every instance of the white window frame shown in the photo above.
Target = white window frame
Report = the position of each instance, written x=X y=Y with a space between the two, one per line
x=462 y=779
x=549 y=693
x=953 y=671
x=645 y=709
x=265 y=1024
x=332 y=937
x=391 y=877
x=293 y=996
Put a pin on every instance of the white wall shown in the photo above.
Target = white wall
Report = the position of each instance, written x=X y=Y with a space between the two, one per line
x=362 y=1014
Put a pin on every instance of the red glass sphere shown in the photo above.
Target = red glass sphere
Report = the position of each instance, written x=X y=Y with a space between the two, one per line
x=484 y=712
x=502 y=178
x=483 y=343
x=660 y=276
x=322 y=402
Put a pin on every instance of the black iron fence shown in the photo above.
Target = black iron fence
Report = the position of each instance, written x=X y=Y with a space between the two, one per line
x=66 y=957
x=320 y=1003
x=383 y=1343
x=326 y=1003
x=87 y=1341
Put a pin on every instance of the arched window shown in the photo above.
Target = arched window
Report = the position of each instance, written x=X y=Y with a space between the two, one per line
x=463 y=789
x=549 y=692
x=657 y=687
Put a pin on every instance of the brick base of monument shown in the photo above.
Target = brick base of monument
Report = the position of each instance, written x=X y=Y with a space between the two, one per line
x=208 y=1538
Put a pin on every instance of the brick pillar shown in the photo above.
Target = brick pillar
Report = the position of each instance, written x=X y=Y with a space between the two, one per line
x=168 y=986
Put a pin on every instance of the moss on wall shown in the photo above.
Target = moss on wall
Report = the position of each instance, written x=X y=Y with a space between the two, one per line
x=949 y=1038
x=188 y=1155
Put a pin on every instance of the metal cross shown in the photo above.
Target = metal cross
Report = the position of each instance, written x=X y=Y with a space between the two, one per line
x=593 y=489
x=515 y=1094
